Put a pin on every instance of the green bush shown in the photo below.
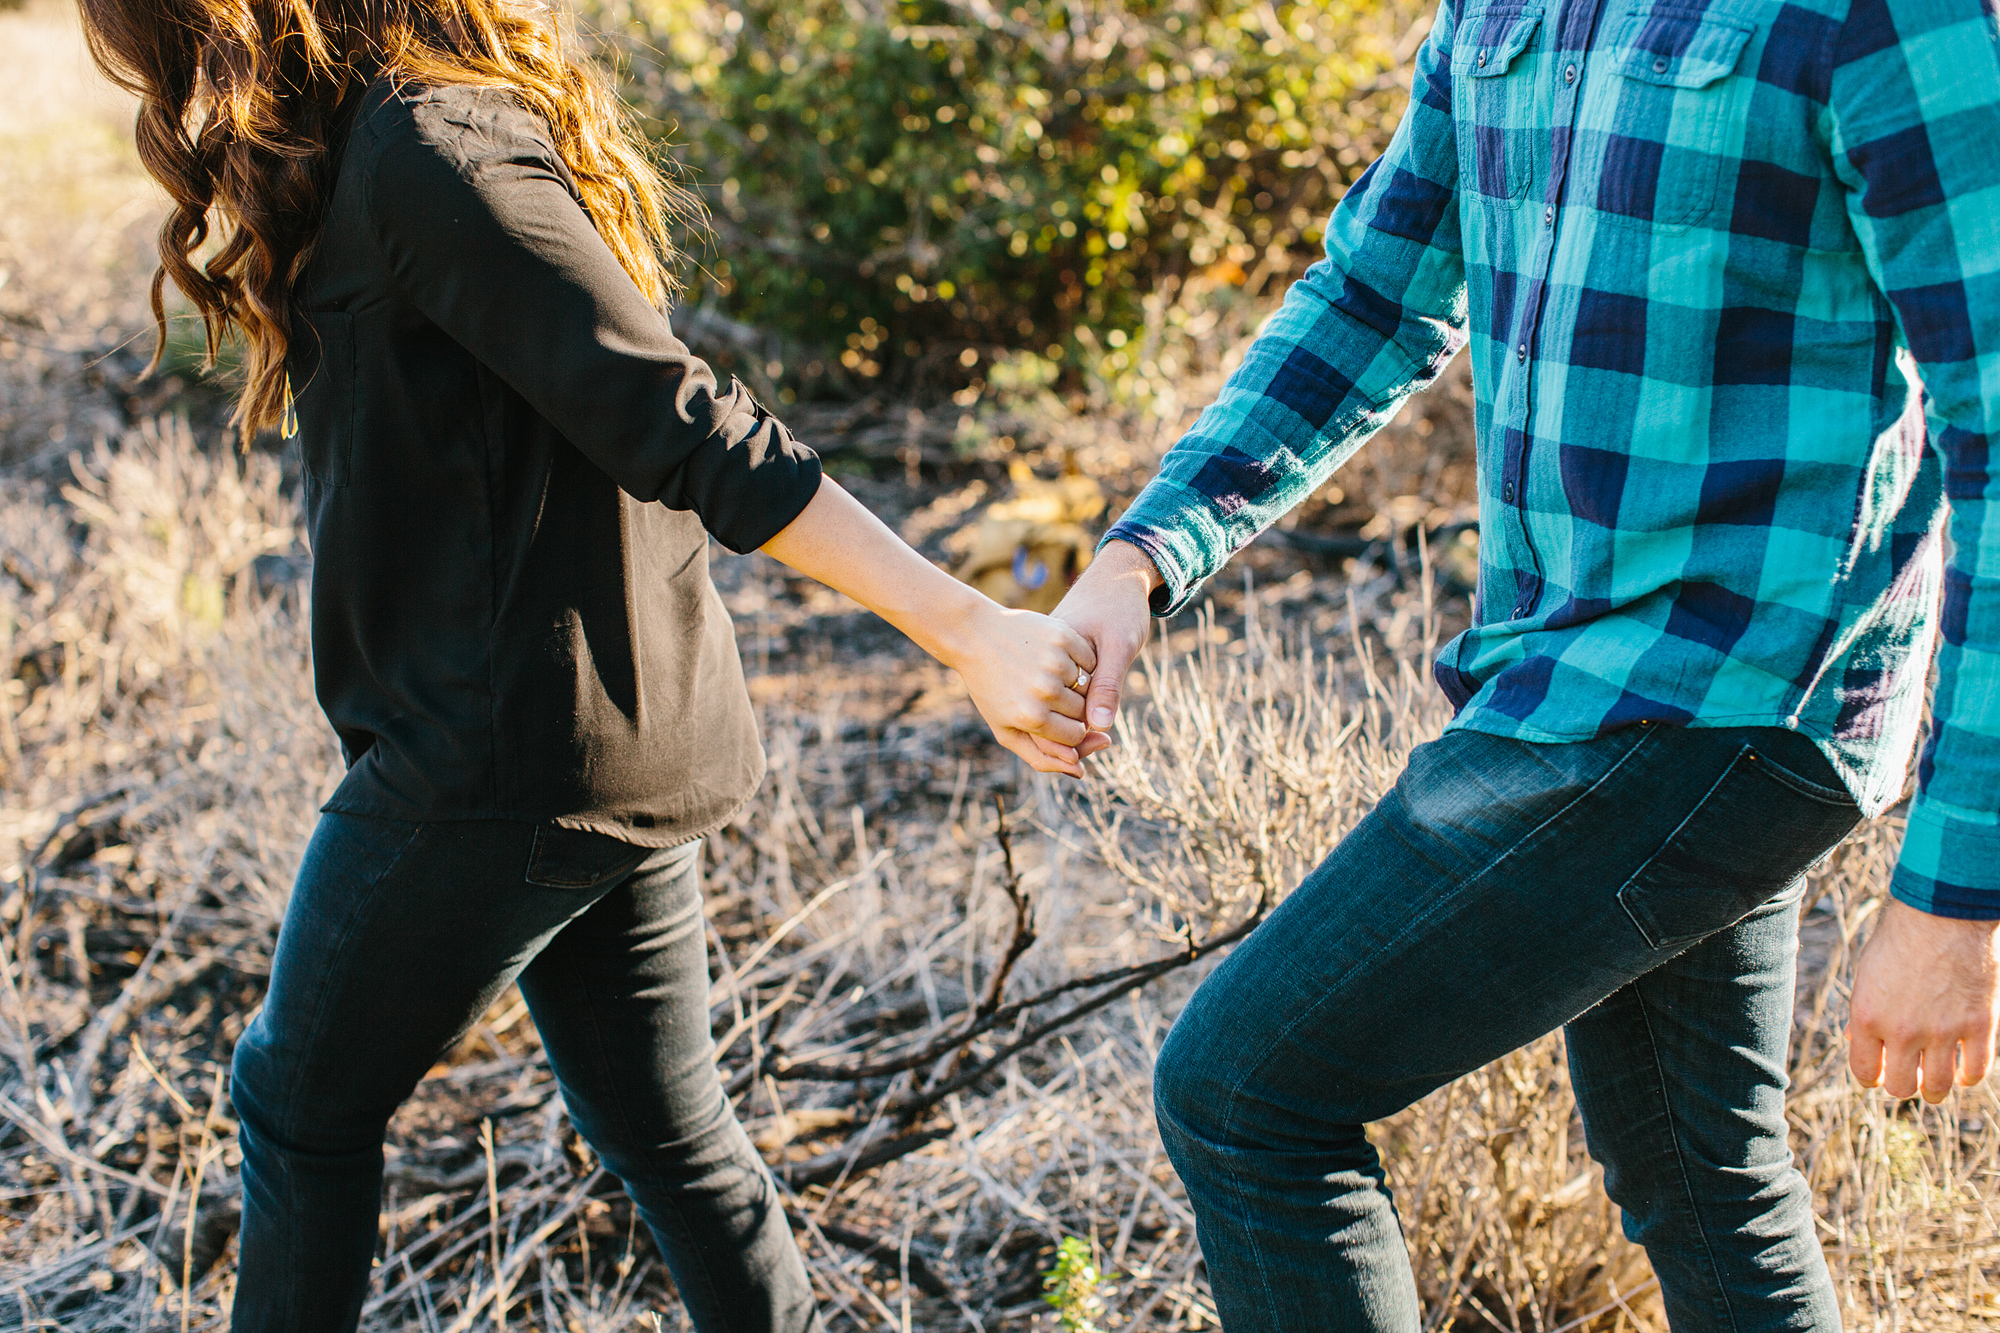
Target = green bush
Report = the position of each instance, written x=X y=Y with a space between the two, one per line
x=907 y=189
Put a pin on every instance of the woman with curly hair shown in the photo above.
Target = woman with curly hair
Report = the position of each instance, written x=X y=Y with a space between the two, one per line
x=444 y=252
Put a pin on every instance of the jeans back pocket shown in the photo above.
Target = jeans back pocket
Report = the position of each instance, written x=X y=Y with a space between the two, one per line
x=574 y=858
x=321 y=411
x=1751 y=836
x=1677 y=100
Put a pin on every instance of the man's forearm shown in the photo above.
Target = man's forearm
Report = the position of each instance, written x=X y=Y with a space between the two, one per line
x=1123 y=559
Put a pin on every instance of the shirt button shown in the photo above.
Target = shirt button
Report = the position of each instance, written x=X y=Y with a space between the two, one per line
x=1569 y=74
x=1482 y=59
x=1520 y=613
x=1549 y=216
x=1521 y=354
x=1659 y=67
x=1507 y=492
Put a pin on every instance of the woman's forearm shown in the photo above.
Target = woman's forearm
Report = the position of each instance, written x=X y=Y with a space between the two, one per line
x=1025 y=672
x=838 y=541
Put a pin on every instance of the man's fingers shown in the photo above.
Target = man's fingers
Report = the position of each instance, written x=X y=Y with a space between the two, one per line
x=1103 y=706
x=1093 y=743
x=1975 y=1057
x=1900 y=1068
x=1864 y=1056
x=1940 y=1070
x=1106 y=684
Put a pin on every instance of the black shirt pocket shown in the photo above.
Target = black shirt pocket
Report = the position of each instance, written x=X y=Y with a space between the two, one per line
x=1757 y=830
x=323 y=398
x=1499 y=153
x=1678 y=99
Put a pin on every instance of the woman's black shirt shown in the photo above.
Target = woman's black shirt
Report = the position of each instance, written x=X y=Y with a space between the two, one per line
x=512 y=470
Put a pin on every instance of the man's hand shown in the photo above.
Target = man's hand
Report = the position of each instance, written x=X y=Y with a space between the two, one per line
x=1109 y=606
x=1926 y=1003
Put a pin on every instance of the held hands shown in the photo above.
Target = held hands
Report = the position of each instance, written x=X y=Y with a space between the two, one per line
x=1926 y=1002
x=1022 y=671
x=1020 y=667
x=1109 y=606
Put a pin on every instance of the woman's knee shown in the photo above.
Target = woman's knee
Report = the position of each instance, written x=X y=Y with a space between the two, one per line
x=288 y=1099
x=256 y=1086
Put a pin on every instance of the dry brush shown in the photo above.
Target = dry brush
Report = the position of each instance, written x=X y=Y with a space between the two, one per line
x=938 y=984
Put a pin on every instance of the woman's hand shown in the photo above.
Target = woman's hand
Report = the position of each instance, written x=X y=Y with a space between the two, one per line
x=1023 y=671
x=1019 y=667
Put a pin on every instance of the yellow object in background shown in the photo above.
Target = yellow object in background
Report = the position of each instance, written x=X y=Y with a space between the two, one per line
x=1025 y=551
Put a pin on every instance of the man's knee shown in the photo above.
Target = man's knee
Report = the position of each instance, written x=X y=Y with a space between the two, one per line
x=1191 y=1091
x=256 y=1085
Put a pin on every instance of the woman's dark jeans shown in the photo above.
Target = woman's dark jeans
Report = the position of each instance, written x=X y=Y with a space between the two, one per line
x=398 y=938
x=1641 y=889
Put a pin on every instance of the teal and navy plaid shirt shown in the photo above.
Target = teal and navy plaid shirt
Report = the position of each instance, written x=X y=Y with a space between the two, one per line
x=1730 y=275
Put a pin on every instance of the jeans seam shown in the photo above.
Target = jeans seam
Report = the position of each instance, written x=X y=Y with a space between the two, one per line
x=600 y=1056
x=292 y=1098
x=1680 y=1161
x=1236 y=1086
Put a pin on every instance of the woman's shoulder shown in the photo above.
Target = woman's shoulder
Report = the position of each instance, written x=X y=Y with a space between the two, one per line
x=457 y=124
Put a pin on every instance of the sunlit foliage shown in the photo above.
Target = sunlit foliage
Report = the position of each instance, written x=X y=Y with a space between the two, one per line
x=912 y=186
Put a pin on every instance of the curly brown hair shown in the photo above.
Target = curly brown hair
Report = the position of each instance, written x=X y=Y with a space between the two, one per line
x=238 y=102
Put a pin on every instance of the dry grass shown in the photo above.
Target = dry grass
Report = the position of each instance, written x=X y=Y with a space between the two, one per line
x=163 y=757
x=76 y=218
x=941 y=1039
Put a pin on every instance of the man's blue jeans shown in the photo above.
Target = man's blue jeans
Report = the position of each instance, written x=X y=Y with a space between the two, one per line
x=1639 y=890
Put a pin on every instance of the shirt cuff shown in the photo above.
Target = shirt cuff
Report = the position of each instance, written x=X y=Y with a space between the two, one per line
x=1950 y=864
x=1180 y=535
x=781 y=495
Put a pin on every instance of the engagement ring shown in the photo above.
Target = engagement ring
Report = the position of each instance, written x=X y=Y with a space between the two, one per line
x=1082 y=679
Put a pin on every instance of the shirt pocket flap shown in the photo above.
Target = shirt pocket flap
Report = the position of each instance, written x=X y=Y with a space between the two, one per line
x=1498 y=36
x=1675 y=49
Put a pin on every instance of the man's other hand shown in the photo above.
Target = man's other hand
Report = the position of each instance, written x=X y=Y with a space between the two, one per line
x=1109 y=605
x=1926 y=1003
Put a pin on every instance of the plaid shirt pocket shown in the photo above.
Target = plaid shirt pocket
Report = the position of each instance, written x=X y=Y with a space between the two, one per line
x=1676 y=103
x=1502 y=143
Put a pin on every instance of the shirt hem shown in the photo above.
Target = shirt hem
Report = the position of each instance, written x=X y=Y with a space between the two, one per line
x=611 y=827
x=1470 y=719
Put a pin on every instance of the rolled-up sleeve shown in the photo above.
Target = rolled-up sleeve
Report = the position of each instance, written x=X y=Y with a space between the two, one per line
x=484 y=235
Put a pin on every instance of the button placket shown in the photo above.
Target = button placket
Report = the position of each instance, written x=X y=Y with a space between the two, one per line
x=1575 y=32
